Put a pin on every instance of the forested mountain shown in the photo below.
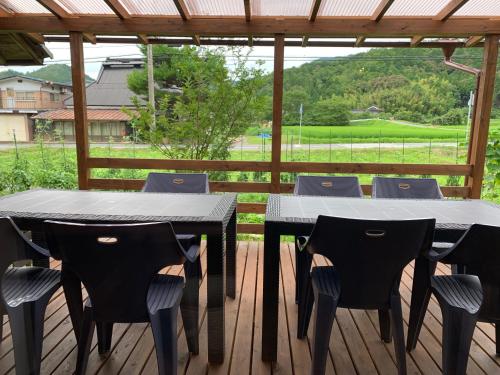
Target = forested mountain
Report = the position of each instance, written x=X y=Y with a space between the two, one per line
x=409 y=84
x=55 y=73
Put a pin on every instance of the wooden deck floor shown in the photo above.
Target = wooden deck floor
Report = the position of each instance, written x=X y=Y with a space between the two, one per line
x=355 y=344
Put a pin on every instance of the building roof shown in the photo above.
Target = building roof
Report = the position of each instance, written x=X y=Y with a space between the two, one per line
x=21 y=49
x=92 y=115
x=35 y=79
x=110 y=90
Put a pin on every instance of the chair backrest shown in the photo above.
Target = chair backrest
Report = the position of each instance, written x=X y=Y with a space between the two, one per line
x=333 y=186
x=369 y=255
x=176 y=183
x=14 y=246
x=410 y=188
x=479 y=251
x=115 y=262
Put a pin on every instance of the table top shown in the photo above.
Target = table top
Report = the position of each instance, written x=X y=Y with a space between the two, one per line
x=305 y=209
x=118 y=206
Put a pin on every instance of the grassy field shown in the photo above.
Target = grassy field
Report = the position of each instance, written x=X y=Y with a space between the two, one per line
x=369 y=131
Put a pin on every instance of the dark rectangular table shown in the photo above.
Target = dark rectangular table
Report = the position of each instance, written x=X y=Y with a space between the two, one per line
x=296 y=215
x=210 y=214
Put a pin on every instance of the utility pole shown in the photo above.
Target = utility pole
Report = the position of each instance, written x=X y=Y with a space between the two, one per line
x=151 y=83
x=301 y=111
x=471 y=102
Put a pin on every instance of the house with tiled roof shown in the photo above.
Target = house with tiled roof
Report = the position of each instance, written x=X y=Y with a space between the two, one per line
x=106 y=98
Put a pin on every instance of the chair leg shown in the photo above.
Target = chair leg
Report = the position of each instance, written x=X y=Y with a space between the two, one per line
x=458 y=329
x=497 y=337
x=305 y=308
x=85 y=341
x=26 y=323
x=73 y=292
x=190 y=305
x=164 y=326
x=324 y=314
x=1 y=326
x=384 y=321
x=104 y=336
x=398 y=333
x=303 y=261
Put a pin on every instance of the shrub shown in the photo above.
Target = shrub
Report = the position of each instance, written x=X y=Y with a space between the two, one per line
x=455 y=116
x=332 y=111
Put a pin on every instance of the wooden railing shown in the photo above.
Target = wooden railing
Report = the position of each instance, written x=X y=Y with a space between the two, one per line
x=267 y=187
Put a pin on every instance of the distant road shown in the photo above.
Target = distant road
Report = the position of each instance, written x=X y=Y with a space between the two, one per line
x=251 y=147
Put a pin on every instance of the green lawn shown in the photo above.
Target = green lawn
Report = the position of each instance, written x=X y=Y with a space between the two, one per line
x=368 y=131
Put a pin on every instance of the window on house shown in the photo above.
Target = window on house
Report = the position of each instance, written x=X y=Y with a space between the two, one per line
x=25 y=95
x=54 y=97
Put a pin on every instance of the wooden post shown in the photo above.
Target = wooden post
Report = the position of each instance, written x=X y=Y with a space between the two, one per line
x=279 y=54
x=80 y=108
x=484 y=102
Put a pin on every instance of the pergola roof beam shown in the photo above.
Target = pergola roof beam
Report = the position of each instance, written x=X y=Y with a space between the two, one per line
x=37 y=38
x=382 y=8
x=415 y=41
x=473 y=41
x=248 y=10
x=119 y=9
x=449 y=9
x=197 y=40
x=5 y=11
x=314 y=10
x=183 y=9
x=359 y=41
x=56 y=9
x=90 y=38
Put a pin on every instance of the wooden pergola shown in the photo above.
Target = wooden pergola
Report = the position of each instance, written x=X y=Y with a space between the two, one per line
x=446 y=24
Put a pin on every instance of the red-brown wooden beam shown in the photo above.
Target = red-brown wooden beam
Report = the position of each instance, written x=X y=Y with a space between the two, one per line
x=359 y=41
x=473 y=40
x=279 y=57
x=80 y=108
x=381 y=9
x=56 y=9
x=118 y=8
x=248 y=10
x=482 y=114
x=449 y=9
x=183 y=9
x=314 y=10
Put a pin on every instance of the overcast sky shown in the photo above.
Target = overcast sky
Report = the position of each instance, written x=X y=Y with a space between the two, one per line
x=95 y=54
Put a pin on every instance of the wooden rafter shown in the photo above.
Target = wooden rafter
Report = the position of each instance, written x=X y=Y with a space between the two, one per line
x=359 y=41
x=314 y=10
x=381 y=9
x=5 y=11
x=248 y=10
x=119 y=9
x=36 y=37
x=415 y=40
x=449 y=9
x=259 y=27
x=183 y=10
x=305 y=40
x=24 y=44
x=56 y=9
x=473 y=40
x=89 y=38
x=143 y=38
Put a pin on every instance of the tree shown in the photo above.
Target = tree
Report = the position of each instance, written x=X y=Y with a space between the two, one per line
x=203 y=105
x=292 y=100
x=333 y=111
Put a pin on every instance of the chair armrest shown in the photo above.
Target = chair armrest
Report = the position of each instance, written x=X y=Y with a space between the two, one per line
x=302 y=242
x=189 y=246
x=440 y=250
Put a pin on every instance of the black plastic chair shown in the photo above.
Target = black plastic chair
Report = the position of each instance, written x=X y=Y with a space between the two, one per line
x=189 y=183
x=478 y=251
x=324 y=186
x=368 y=257
x=25 y=291
x=406 y=188
x=118 y=264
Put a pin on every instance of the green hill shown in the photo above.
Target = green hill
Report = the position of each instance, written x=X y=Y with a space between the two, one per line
x=409 y=84
x=56 y=73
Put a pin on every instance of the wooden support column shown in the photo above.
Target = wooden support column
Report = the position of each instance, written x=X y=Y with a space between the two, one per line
x=484 y=102
x=80 y=108
x=279 y=55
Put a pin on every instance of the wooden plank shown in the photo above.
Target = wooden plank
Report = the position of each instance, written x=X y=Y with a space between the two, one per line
x=80 y=108
x=118 y=8
x=36 y=37
x=252 y=208
x=279 y=56
x=381 y=9
x=378 y=168
x=259 y=27
x=55 y=8
x=449 y=9
x=5 y=12
x=483 y=112
x=198 y=165
x=314 y=10
x=250 y=228
x=183 y=10
x=248 y=10
x=473 y=40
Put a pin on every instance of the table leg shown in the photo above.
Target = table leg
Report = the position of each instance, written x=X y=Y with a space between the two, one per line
x=231 y=257
x=270 y=294
x=215 y=296
x=420 y=295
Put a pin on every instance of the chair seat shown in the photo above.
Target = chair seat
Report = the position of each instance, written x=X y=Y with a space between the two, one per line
x=28 y=284
x=190 y=242
x=325 y=280
x=164 y=292
x=438 y=248
x=459 y=291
